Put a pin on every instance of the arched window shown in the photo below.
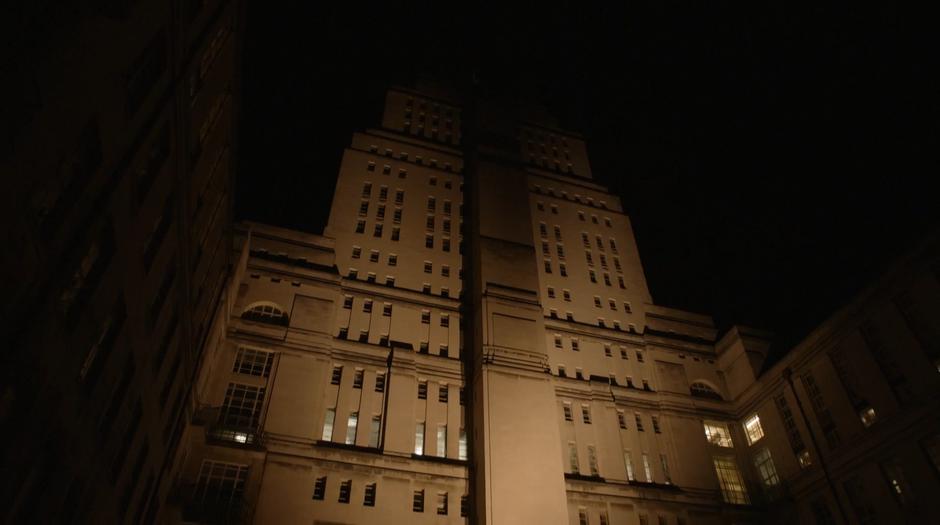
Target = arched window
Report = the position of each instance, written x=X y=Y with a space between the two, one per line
x=700 y=389
x=265 y=312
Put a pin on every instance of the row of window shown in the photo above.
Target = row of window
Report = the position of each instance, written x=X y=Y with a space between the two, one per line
x=608 y=351
x=418 y=159
x=336 y=378
x=611 y=378
x=621 y=418
x=601 y=322
x=352 y=426
x=419 y=450
x=576 y=198
x=592 y=274
x=369 y=496
x=390 y=282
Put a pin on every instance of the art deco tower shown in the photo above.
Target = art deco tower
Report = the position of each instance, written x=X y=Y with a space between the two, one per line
x=472 y=338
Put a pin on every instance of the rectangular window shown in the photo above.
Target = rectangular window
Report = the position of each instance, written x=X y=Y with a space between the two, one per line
x=319 y=488
x=417 y=504
x=764 y=463
x=586 y=414
x=368 y=497
x=573 y=458
x=583 y=517
x=592 y=460
x=897 y=484
x=464 y=506
x=462 y=445
x=566 y=408
x=655 y=419
x=360 y=226
x=419 y=438
x=639 y=422
x=442 y=503
x=665 y=465
x=732 y=487
x=753 y=429
x=441 y=441
x=575 y=346
x=374 y=431
x=242 y=406
x=621 y=419
x=718 y=434
x=380 y=382
x=628 y=462
x=562 y=269
x=328 y=424
x=639 y=356
x=253 y=362
x=445 y=320
x=345 y=488
x=221 y=484
x=351 y=428
x=357 y=378
x=422 y=389
x=646 y=468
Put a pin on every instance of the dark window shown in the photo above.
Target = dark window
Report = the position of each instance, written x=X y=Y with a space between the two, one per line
x=319 y=488
x=344 y=489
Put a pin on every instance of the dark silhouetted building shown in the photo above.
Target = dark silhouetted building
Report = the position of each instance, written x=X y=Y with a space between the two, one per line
x=117 y=146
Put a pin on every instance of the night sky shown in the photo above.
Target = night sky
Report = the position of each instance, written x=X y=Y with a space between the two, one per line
x=773 y=159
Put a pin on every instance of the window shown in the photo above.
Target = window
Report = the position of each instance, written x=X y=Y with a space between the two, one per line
x=442 y=503
x=378 y=231
x=319 y=488
x=586 y=414
x=613 y=304
x=646 y=468
x=368 y=498
x=419 y=438
x=639 y=356
x=655 y=419
x=266 y=312
x=621 y=283
x=425 y=317
x=242 y=406
x=562 y=269
x=637 y=419
x=328 y=424
x=441 y=441
x=444 y=351
x=623 y=354
x=464 y=506
x=551 y=292
x=718 y=434
x=351 y=428
x=445 y=320
x=597 y=302
x=592 y=460
x=607 y=352
x=894 y=476
x=417 y=504
x=221 y=483
x=253 y=362
x=628 y=462
x=555 y=209
x=396 y=216
x=573 y=457
x=392 y=260
x=462 y=445
x=396 y=233
x=548 y=266
x=360 y=226
x=356 y=252
x=574 y=345
x=566 y=408
x=429 y=241
x=345 y=487
x=621 y=419
x=583 y=516
x=753 y=430
x=732 y=487
x=442 y=393
x=422 y=389
x=399 y=197
x=432 y=204
x=664 y=463
x=592 y=276
x=793 y=433
x=387 y=310
x=363 y=208
x=566 y=294
x=380 y=382
x=868 y=416
x=561 y=371
x=357 y=379
x=765 y=468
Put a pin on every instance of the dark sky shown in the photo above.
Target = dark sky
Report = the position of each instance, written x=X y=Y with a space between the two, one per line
x=773 y=158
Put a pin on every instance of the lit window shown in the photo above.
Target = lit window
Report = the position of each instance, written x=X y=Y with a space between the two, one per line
x=732 y=487
x=868 y=417
x=718 y=434
x=441 y=441
x=573 y=457
x=462 y=445
x=765 y=467
x=753 y=429
x=592 y=460
x=646 y=468
x=894 y=475
x=419 y=438
x=253 y=362
x=351 y=428
x=628 y=462
x=328 y=424
x=442 y=503
x=665 y=465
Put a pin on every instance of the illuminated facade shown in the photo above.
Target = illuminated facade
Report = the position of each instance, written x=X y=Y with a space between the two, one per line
x=472 y=339
x=118 y=140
